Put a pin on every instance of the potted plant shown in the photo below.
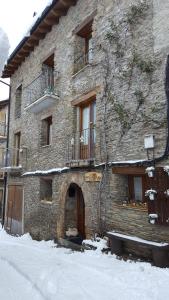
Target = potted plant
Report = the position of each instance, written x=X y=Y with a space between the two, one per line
x=151 y=194
x=150 y=171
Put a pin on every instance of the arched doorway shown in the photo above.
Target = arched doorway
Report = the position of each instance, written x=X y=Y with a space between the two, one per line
x=75 y=210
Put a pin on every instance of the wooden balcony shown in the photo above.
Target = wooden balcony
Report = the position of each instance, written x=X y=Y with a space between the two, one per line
x=81 y=148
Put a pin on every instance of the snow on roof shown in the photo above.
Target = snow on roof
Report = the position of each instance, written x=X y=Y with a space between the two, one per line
x=46 y=172
x=35 y=18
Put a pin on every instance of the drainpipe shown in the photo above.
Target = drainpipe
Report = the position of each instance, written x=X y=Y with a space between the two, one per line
x=7 y=145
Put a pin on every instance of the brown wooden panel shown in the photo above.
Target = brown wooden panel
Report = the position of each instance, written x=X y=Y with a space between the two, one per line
x=160 y=206
x=129 y=170
x=14 y=209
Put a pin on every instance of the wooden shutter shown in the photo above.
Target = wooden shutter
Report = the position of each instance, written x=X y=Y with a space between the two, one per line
x=160 y=206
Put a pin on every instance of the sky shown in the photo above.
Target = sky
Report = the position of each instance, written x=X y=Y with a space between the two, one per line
x=16 y=17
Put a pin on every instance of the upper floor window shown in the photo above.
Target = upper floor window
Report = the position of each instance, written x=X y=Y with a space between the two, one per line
x=16 y=150
x=48 y=74
x=46 y=131
x=18 y=101
x=83 y=47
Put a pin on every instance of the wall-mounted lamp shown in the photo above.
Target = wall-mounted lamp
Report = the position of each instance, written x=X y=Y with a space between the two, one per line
x=149 y=144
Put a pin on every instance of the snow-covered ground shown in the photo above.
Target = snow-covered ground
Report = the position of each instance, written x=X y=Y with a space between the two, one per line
x=31 y=270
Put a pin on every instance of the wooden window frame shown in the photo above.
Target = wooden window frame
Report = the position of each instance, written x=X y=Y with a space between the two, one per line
x=131 y=188
x=89 y=151
x=17 y=147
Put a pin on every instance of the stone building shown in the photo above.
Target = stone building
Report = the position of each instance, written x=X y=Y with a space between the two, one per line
x=3 y=143
x=89 y=121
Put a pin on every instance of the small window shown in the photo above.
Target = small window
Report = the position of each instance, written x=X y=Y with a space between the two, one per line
x=46 y=131
x=83 y=47
x=136 y=189
x=46 y=189
x=18 y=101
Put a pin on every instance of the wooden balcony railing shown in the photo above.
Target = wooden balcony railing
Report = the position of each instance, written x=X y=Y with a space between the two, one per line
x=81 y=146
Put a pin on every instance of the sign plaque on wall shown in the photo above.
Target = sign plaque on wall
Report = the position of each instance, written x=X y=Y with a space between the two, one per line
x=93 y=176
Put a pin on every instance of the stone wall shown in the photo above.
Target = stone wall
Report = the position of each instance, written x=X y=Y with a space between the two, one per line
x=129 y=75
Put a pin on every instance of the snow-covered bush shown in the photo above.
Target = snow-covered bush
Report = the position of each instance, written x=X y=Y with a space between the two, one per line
x=4 y=49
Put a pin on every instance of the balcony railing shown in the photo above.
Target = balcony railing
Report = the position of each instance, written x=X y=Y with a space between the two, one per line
x=81 y=146
x=40 y=94
x=3 y=130
x=83 y=60
x=10 y=158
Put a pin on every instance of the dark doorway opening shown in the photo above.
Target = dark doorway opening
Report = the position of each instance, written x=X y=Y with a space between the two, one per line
x=74 y=214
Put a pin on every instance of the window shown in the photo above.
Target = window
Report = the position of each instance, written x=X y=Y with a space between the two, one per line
x=48 y=74
x=18 y=101
x=83 y=47
x=46 y=131
x=136 y=186
x=87 y=129
x=46 y=189
x=16 y=150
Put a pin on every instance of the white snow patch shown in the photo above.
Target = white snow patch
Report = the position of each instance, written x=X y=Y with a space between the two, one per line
x=40 y=271
x=136 y=239
x=35 y=18
x=40 y=172
x=128 y=161
x=98 y=243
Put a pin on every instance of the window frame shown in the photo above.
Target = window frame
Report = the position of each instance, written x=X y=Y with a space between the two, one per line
x=131 y=189
x=46 y=137
x=45 y=180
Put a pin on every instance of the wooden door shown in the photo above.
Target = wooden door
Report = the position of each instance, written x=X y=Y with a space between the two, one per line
x=13 y=220
x=87 y=130
x=80 y=213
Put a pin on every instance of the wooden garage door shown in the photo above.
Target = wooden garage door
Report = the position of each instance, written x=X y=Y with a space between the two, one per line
x=14 y=209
